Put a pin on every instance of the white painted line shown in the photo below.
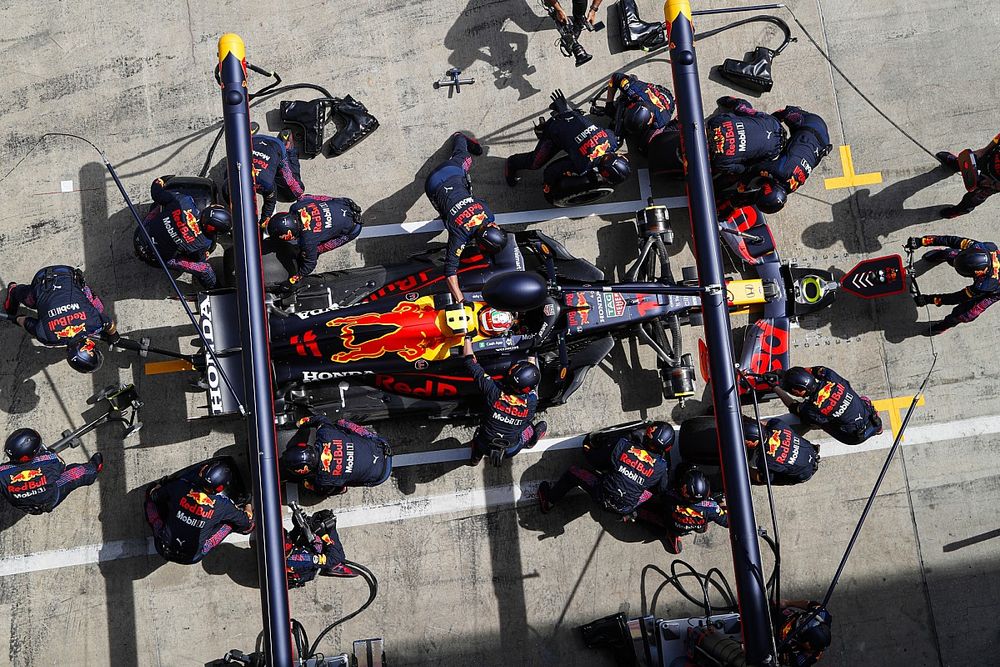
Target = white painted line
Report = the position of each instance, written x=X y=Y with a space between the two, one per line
x=66 y=186
x=538 y=215
x=471 y=500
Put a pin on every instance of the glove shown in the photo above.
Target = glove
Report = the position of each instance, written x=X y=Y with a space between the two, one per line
x=110 y=334
x=772 y=379
x=304 y=421
x=559 y=103
x=263 y=223
x=351 y=204
x=914 y=242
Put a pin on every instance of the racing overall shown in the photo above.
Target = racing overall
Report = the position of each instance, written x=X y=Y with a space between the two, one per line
x=741 y=138
x=656 y=98
x=989 y=179
x=837 y=409
x=808 y=144
x=65 y=306
x=188 y=522
x=39 y=485
x=786 y=621
x=275 y=169
x=349 y=455
x=506 y=421
x=449 y=189
x=327 y=223
x=172 y=223
x=790 y=458
x=630 y=475
x=681 y=517
x=584 y=143
x=981 y=294
x=302 y=564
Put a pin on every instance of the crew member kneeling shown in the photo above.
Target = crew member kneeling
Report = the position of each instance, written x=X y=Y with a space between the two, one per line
x=191 y=514
x=35 y=480
x=323 y=555
x=830 y=403
x=687 y=507
x=343 y=454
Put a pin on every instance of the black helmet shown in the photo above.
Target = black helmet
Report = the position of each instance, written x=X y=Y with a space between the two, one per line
x=751 y=432
x=772 y=196
x=694 y=485
x=659 y=437
x=284 y=226
x=614 y=168
x=490 y=239
x=637 y=118
x=299 y=460
x=215 y=476
x=83 y=355
x=971 y=263
x=815 y=635
x=522 y=377
x=22 y=445
x=798 y=381
x=216 y=219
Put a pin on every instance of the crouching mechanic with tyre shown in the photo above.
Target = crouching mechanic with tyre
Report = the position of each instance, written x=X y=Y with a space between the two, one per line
x=191 y=513
x=591 y=167
x=67 y=313
x=34 y=479
x=342 y=455
x=507 y=410
x=313 y=547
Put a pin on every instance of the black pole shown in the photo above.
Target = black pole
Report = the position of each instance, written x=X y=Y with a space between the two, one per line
x=254 y=338
x=750 y=584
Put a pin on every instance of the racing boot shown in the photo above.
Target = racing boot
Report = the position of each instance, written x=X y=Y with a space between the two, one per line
x=544 y=504
x=948 y=160
x=672 y=544
x=359 y=125
x=510 y=174
x=338 y=570
x=538 y=432
x=97 y=460
x=474 y=146
x=950 y=212
x=938 y=328
x=9 y=306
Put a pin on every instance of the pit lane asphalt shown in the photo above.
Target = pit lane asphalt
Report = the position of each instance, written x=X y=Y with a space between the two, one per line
x=469 y=586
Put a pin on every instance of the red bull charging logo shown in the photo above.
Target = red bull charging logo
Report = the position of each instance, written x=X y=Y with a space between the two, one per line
x=410 y=345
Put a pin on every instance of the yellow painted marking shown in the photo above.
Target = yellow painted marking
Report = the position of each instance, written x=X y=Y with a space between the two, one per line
x=231 y=43
x=895 y=407
x=172 y=366
x=851 y=179
x=673 y=8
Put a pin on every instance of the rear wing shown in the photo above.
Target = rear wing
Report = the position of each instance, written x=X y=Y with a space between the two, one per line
x=218 y=322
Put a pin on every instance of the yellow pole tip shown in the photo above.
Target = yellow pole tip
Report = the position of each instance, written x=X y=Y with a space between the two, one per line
x=231 y=43
x=673 y=8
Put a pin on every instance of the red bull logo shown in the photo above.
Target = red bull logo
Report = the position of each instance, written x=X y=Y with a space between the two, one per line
x=26 y=476
x=326 y=457
x=599 y=150
x=70 y=332
x=654 y=96
x=392 y=327
x=516 y=401
x=198 y=503
x=475 y=221
x=773 y=443
x=823 y=395
x=642 y=455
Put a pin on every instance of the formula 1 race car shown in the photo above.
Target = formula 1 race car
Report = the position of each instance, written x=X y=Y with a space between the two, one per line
x=378 y=342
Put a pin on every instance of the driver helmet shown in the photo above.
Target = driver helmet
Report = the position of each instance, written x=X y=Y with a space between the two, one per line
x=83 y=355
x=522 y=377
x=693 y=484
x=614 y=168
x=284 y=226
x=299 y=460
x=215 y=476
x=772 y=196
x=659 y=437
x=216 y=219
x=22 y=445
x=971 y=262
x=494 y=322
x=490 y=238
x=797 y=381
x=637 y=118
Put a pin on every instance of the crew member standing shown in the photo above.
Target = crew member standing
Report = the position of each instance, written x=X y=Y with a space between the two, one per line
x=786 y=455
x=830 y=403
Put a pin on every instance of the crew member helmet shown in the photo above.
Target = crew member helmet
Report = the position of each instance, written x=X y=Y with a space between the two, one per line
x=284 y=226
x=522 y=377
x=772 y=196
x=659 y=437
x=971 y=263
x=694 y=484
x=797 y=381
x=216 y=219
x=751 y=432
x=215 y=476
x=490 y=239
x=495 y=322
x=637 y=118
x=22 y=445
x=299 y=460
x=614 y=168
x=83 y=355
